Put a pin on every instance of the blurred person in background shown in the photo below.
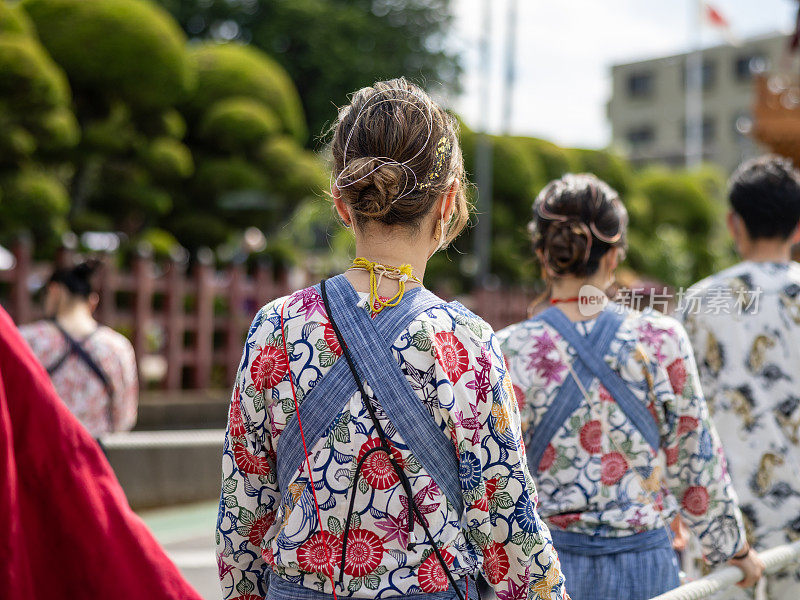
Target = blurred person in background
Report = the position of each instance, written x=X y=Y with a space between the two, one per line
x=744 y=323
x=93 y=368
x=409 y=489
x=603 y=390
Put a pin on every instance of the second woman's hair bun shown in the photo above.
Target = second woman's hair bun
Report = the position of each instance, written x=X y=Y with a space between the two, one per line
x=567 y=247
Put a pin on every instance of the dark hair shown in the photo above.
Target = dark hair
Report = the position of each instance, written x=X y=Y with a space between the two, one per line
x=77 y=279
x=765 y=192
x=395 y=152
x=576 y=220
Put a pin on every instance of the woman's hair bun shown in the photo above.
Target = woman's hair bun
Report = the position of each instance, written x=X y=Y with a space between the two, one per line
x=78 y=278
x=567 y=246
x=576 y=220
x=370 y=185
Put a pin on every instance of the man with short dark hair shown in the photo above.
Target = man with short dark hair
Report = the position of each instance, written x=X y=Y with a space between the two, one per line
x=744 y=323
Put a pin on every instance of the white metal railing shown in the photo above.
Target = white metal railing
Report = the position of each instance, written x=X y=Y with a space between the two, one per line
x=774 y=559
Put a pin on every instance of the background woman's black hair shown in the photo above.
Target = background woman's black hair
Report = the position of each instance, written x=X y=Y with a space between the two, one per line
x=77 y=279
x=568 y=216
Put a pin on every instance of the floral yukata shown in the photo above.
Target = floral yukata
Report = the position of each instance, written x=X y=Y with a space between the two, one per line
x=453 y=362
x=79 y=387
x=599 y=476
x=744 y=323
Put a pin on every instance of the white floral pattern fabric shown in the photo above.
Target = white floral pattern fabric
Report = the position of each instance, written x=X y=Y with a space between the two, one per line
x=79 y=387
x=598 y=475
x=453 y=362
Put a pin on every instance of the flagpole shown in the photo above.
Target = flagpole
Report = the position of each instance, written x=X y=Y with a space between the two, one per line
x=694 y=88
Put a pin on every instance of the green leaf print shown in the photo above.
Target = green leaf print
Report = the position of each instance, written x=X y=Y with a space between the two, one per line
x=334 y=526
x=230 y=502
x=245 y=586
x=355 y=522
x=503 y=500
x=250 y=390
x=354 y=585
x=421 y=340
x=258 y=401
x=372 y=581
x=287 y=405
x=229 y=485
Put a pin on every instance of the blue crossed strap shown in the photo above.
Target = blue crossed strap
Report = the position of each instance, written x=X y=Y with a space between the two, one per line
x=590 y=364
x=370 y=340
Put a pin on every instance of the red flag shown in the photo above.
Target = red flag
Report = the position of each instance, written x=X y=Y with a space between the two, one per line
x=715 y=18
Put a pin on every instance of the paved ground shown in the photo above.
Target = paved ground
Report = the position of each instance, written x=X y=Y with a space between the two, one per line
x=187 y=533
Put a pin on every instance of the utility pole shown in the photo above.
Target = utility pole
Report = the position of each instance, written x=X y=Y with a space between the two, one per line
x=510 y=67
x=694 y=88
x=483 y=155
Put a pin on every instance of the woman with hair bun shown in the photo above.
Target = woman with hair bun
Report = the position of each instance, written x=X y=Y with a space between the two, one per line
x=92 y=367
x=603 y=392
x=373 y=446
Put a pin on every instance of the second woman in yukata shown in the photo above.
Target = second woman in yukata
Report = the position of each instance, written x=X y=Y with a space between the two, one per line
x=602 y=391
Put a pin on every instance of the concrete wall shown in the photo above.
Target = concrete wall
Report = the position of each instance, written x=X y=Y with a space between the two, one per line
x=167 y=468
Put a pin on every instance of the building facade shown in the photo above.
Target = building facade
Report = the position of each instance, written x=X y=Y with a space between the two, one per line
x=647 y=109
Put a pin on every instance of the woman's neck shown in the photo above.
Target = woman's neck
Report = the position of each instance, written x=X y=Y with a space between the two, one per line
x=76 y=319
x=570 y=290
x=388 y=249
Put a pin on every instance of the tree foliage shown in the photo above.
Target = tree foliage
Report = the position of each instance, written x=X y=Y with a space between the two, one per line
x=112 y=121
x=332 y=47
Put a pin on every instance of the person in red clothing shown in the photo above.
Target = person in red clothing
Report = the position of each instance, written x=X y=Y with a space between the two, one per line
x=69 y=532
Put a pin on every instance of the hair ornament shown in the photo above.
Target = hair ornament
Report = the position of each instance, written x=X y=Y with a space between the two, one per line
x=444 y=148
x=385 y=160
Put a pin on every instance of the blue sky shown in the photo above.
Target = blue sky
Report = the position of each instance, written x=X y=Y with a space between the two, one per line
x=566 y=47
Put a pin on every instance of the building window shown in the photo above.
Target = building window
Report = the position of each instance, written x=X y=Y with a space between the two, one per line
x=746 y=64
x=641 y=136
x=640 y=85
x=709 y=75
x=709 y=130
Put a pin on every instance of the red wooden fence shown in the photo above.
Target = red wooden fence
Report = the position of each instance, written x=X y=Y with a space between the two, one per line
x=193 y=322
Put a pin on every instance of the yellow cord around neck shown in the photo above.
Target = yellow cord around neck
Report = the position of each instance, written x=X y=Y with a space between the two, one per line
x=377 y=272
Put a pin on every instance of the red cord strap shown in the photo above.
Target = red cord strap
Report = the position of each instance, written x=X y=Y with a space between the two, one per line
x=305 y=449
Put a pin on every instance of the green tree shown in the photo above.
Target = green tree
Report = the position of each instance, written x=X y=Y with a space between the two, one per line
x=37 y=130
x=332 y=47
x=173 y=142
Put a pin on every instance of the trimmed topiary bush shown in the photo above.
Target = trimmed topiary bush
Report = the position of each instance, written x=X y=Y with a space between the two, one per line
x=216 y=176
x=14 y=20
x=227 y=70
x=34 y=199
x=31 y=81
x=168 y=158
x=58 y=130
x=129 y=48
x=295 y=171
x=238 y=123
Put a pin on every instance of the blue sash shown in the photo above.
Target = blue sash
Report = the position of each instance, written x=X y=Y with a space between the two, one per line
x=370 y=341
x=590 y=364
x=596 y=545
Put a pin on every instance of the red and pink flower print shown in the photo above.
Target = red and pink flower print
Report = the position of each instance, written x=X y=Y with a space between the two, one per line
x=377 y=470
x=695 y=500
x=247 y=462
x=591 y=437
x=676 y=371
x=548 y=458
x=495 y=562
x=432 y=577
x=332 y=340
x=269 y=367
x=451 y=355
x=320 y=553
x=364 y=553
x=613 y=467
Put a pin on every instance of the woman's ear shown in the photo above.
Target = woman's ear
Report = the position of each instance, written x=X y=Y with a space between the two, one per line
x=341 y=206
x=449 y=201
x=94 y=300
